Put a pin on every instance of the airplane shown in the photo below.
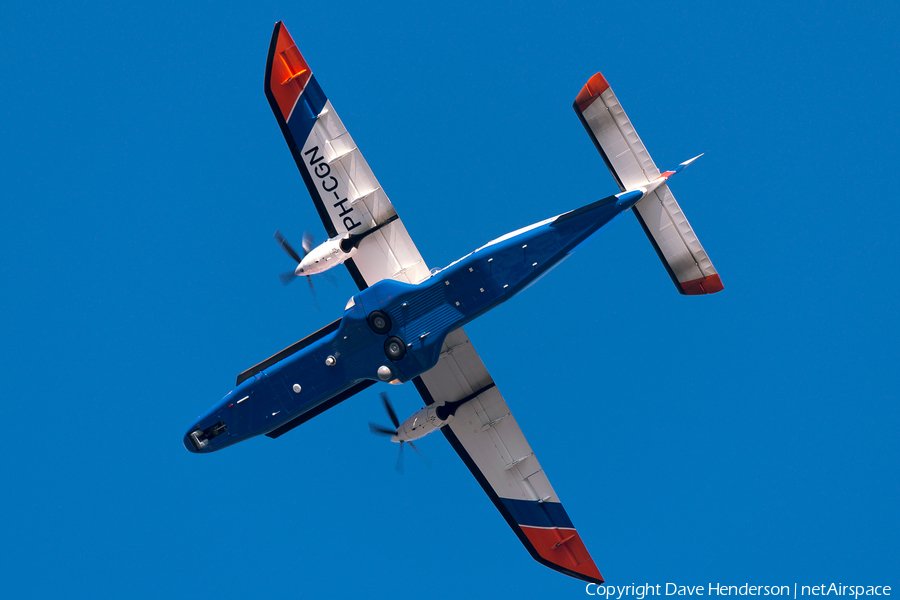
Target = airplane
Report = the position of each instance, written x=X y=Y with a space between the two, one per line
x=406 y=322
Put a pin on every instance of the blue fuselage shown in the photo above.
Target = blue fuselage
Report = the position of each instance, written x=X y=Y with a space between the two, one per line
x=420 y=317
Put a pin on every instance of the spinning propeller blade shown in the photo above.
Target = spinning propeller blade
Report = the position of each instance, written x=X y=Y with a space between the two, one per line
x=399 y=466
x=287 y=277
x=390 y=410
x=307 y=243
x=419 y=452
x=315 y=296
x=287 y=247
x=381 y=430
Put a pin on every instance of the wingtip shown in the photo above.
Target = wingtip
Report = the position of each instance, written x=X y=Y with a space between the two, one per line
x=705 y=285
x=562 y=550
x=286 y=71
x=595 y=86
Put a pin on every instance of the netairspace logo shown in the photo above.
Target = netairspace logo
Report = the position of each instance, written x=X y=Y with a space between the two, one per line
x=640 y=592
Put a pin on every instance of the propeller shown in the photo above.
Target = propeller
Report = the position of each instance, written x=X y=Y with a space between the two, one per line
x=306 y=246
x=288 y=276
x=382 y=430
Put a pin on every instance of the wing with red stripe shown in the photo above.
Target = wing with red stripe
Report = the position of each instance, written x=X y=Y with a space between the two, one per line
x=488 y=439
x=349 y=199
x=343 y=188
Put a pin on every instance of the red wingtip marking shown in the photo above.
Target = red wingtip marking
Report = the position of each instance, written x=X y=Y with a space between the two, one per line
x=563 y=547
x=289 y=72
x=595 y=86
x=705 y=285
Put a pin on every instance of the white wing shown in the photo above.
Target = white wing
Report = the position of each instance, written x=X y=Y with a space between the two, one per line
x=340 y=182
x=487 y=437
x=349 y=199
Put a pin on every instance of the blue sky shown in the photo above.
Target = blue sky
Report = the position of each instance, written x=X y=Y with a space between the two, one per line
x=749 y=436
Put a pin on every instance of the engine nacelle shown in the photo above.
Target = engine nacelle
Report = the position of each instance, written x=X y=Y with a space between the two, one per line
x=326 y=255
x=420 y=424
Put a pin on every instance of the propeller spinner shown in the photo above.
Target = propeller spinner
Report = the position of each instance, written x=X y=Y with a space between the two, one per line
x=306 y=245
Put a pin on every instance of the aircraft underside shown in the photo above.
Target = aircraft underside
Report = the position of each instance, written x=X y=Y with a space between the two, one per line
x=406 y=323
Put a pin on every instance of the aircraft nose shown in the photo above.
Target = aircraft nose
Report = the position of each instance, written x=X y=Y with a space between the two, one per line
x=194 y=440
x=198 y=440
x=188 y=445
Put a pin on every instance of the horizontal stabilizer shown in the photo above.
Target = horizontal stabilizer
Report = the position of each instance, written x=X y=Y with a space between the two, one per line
x=659 y=214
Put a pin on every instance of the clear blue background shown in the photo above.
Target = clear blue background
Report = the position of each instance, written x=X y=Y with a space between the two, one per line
x=749 y=436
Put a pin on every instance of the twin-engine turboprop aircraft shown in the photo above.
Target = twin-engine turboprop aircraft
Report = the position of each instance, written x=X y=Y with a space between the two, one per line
x=405 y=324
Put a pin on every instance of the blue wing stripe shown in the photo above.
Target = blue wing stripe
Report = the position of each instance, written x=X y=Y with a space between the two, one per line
x=538 y=514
